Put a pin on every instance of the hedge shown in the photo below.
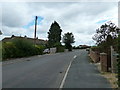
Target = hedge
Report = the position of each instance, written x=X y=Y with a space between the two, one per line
x=20 y=48
x=60 y=48
x=119 y=61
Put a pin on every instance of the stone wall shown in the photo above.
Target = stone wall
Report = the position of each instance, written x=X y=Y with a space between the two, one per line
x=52 y=50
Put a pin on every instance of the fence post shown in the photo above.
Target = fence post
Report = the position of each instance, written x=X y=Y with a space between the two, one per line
x=113 y=61
x=103 y=61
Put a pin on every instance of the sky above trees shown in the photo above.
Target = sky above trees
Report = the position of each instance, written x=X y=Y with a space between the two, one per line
x=80 y=18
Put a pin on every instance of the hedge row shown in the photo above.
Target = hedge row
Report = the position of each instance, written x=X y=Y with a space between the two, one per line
x=118 y=64
x=20 y=48
x=60 y=48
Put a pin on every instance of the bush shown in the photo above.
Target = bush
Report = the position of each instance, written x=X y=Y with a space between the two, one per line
x=39 y=49
x=21 y=48
x=60 y=48
x=95 y=48
x=76 y=47
x=8 y=50
x=118 y=65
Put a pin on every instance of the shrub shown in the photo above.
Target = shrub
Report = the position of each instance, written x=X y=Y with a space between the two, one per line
x=39 y=49
x=60 y=48
x=21 y=48
x=8 y=50
x=118 y=61
x=95 y=48
x=0 y=51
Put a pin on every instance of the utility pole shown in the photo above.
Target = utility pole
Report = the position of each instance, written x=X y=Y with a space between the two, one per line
x=35 y=26
x=35 y=29
x=0 y=32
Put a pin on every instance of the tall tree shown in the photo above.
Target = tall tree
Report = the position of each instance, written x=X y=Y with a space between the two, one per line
x=106 y=31
x=105 y=37
x=68 y=39
x=54 y=34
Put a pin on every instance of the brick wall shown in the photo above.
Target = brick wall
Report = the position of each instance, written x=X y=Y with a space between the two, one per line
x=94 y=55
x=103 y=61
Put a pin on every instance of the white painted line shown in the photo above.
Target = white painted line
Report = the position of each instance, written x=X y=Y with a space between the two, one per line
x=74 y=56
x=63 y=81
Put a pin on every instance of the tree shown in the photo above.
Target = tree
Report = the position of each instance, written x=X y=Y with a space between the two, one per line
x=68 y=39
x=106 y=31
x=106 y=36
x=54 y=34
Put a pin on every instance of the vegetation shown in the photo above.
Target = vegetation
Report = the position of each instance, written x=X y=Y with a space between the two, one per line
x=108 y=35
x=54 y=35
x=20 y=48
x=76 y=47
x=0 y=51
x=119 y=60
x=81 y=47
x=68 y=39
x=60 y=48
x=95 y=48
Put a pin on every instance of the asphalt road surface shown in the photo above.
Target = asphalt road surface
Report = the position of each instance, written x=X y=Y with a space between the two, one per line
x=45 y=71
x=83 y=74
x=48 y=71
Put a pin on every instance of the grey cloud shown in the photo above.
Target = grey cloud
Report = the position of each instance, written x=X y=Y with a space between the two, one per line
x=78 y=18
x=8 y=31
x=14 y=14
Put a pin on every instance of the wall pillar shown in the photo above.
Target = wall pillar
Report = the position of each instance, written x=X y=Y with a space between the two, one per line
x=103 y=61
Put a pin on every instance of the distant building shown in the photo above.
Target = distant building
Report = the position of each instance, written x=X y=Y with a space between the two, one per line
x=84 y=46
x=37 y=41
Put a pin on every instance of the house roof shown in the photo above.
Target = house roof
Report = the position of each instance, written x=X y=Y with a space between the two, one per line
x=12 y=37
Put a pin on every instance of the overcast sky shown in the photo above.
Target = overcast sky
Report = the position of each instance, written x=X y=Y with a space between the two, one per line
x=80 y=18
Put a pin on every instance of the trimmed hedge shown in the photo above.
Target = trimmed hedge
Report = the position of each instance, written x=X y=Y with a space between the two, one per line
x=20 y=48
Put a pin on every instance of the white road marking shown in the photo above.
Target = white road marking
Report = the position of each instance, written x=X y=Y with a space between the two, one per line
x=74 y=56
x=63 y=81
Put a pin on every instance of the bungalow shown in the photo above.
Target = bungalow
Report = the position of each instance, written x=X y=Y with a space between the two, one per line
x=36 y=40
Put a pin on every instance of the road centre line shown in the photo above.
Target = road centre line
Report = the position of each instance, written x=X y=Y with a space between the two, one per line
x=63 y=81
x=74 y=56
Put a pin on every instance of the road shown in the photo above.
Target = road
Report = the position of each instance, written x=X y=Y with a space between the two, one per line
x=48 y=71
x=84 y=74
x=45 y=71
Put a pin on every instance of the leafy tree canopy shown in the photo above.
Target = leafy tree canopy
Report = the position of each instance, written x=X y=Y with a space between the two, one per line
x=68 y=39
x=105 y=32
x=54 y=34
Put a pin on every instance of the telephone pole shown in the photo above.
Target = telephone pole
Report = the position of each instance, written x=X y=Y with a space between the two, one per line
x=35 y=30
x=35 y=26
x=0 y=32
